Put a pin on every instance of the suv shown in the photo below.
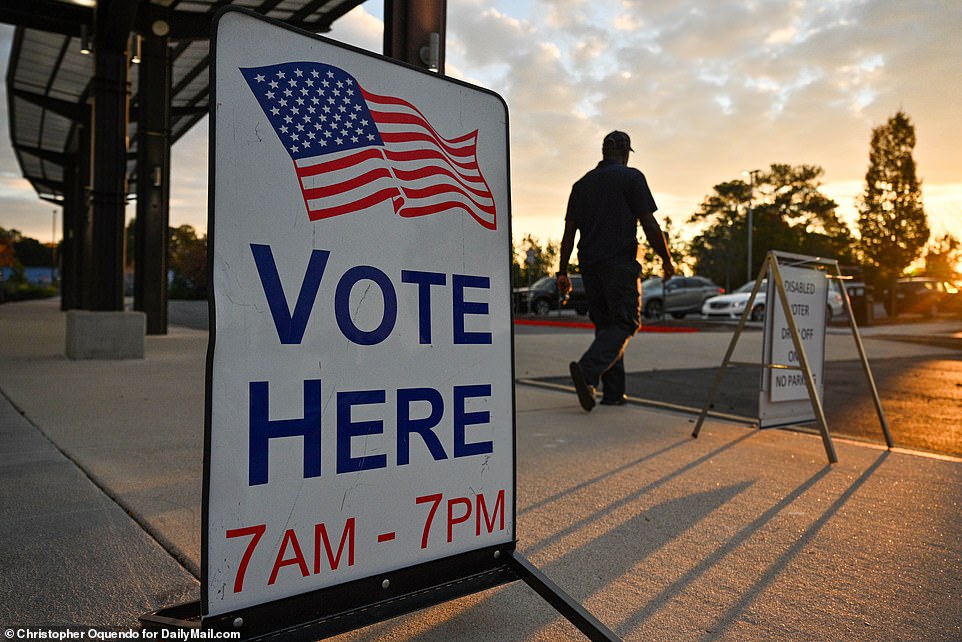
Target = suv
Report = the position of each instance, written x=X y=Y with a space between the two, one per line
x=542 y=297
x=923 y=295
x=680 y=296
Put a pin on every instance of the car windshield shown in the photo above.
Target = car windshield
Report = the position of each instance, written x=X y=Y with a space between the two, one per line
x=544 y=283
x=751 y=284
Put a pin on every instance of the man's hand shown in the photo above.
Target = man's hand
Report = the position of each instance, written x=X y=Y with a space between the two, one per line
x=669 y=270
x=564 y=284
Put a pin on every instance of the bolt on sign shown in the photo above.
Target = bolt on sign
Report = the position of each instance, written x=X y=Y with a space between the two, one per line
x=360 y=406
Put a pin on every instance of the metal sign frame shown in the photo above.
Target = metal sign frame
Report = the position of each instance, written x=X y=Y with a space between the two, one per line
x=770 y=268
x=346 y=605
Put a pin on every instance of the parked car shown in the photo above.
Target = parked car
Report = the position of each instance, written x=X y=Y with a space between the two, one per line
x=732 y=306
x=681 y=295
x=925 y=295
x=542 y=297
x=953 y=303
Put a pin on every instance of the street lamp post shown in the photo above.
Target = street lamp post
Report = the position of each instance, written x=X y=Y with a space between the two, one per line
x=53 y=249
x=751 y=197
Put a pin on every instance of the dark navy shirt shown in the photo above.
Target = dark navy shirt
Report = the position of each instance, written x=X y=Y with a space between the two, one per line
x=606 y=205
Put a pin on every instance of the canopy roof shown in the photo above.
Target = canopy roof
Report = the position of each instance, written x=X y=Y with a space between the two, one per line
x=49 y=78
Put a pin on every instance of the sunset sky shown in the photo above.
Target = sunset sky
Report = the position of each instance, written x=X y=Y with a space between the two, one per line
x=706 y=90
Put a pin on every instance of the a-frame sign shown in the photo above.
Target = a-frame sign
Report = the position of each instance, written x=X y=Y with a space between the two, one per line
x=360 y=430
x=790 y=390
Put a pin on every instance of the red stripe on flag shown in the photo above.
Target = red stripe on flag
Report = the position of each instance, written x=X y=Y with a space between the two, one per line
x=363 y=203
x=426 y=154
x=344 y=162
x=410 y=212
x=347 y=185
x=425 y=172
x=444 y=188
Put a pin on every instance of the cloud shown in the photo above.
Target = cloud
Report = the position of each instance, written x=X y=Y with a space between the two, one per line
x=709 y=90
x=705 y=89
x=360 y=28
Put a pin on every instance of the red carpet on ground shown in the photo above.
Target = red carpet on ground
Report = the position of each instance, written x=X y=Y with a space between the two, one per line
x=588 y=325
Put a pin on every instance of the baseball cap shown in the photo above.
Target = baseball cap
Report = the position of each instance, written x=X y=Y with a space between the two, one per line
x=617 y=140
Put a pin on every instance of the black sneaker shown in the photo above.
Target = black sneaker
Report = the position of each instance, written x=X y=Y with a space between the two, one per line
x=614 y=401
x=586 y=393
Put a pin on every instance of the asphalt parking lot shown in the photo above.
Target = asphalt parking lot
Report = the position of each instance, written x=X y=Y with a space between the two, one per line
x=920 y=389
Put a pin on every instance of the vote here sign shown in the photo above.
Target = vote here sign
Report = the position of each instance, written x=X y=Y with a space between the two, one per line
x=361 y=415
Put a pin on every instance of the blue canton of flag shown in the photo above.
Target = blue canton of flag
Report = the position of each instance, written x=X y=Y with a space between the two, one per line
x=314 y=108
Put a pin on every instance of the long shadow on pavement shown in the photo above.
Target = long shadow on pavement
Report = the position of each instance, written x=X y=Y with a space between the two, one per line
x=643 y=533
x=921 y=397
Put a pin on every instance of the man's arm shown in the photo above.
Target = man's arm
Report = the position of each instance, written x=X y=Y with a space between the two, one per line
x=643 y=205
x=567 y=246
x=658 y=242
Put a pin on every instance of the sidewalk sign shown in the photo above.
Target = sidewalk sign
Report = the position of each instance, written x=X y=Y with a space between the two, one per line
x=360 y=421
x=784 y=397
x=791 y=385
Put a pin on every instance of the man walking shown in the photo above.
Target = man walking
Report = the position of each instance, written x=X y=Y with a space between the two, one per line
x=605 y=207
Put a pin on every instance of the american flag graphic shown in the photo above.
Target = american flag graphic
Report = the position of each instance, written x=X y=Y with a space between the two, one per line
x=353 y=149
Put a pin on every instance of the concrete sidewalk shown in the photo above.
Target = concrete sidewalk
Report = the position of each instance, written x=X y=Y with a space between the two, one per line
x=738 y=535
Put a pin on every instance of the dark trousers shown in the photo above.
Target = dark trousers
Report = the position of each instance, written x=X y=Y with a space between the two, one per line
x=614 y=305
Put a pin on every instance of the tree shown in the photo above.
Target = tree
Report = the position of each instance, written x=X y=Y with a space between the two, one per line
x=943 y=257
x=651 y=263
x=789 y=214
x=31 y=252
x=8 y=252
x=892 y=222
x=188 y=263
x=541 y=262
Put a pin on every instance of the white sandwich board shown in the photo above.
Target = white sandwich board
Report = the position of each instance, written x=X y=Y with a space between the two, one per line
x=784 y=397
x=361 y=388
x=793 y=352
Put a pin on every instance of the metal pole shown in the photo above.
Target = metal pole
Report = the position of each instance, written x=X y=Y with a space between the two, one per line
x=53 y=249
x=110 y=92
x=751 y=224
x=153 y=188
x=748 y=270
x=587 y=623
x=414 y=31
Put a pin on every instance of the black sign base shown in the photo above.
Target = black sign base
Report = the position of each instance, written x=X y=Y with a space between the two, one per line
x=336 y=610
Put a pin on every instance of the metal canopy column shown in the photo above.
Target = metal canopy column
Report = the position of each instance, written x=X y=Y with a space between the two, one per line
x=112 y=24
x=69 y=252
x=153 y=184
x=408 y=26
x=82 y=222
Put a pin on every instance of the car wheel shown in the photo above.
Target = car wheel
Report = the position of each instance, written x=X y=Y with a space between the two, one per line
x=758 y=312
x=541 y=307
x=653 y=309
